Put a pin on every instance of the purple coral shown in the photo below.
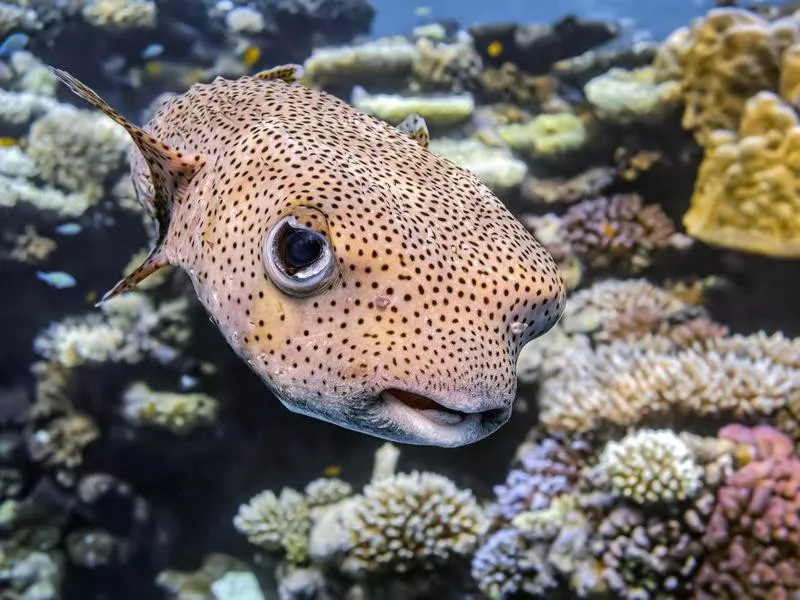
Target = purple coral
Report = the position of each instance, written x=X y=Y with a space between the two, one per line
x=753 y=536
x=618 y=231
x=508 y=563
x=547 y=469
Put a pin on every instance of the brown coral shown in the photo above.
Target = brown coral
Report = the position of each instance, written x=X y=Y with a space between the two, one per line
x=722 y=60
x=747 y=194
x=753 y=536
x=618 y=231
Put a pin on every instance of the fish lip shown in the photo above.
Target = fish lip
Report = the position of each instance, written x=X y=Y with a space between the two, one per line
x=429 y=421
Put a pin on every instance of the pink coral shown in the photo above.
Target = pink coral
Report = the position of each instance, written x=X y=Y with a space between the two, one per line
x=753 y=535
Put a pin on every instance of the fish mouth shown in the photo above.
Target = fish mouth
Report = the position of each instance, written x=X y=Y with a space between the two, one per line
x=426 y=421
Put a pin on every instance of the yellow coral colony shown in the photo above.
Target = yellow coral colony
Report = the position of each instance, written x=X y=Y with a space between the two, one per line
x=725 y=59
x=741 y=85
x=747 y=194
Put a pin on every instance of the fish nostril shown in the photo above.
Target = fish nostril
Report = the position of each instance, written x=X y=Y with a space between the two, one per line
x=494 y=416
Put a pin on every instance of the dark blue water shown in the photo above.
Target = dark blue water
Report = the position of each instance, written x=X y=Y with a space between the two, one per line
x=659 y=17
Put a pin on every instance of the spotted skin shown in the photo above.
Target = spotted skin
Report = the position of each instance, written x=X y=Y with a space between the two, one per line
x=437 y=285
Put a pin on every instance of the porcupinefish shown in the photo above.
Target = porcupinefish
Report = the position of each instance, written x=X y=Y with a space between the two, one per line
x=369 y=282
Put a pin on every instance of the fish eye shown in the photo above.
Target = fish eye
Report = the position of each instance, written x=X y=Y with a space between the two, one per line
x=298 y=259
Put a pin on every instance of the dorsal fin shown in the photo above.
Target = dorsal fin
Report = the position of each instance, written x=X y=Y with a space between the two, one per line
x=288 y=73
x=414 y=126
x=170 y=174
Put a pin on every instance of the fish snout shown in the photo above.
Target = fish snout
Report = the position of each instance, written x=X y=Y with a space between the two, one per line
x=443 y=419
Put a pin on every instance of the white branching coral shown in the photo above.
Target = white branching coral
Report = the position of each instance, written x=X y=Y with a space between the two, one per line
x=651 y=466
x=412 y=520
x=129 y=329
x=277 y=523
x=19 y=108
x=181 y=413
x=78 y=149
x=325 y=491
x=121 y=14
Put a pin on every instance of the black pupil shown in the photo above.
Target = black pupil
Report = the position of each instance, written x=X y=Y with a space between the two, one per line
x=301 y=248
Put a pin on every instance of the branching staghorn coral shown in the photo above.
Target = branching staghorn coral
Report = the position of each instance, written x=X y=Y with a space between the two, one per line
x=647 y=556
x=622 y=384
x=508 y=564
x=544 y=469
x=723 y=60
x=747 y=194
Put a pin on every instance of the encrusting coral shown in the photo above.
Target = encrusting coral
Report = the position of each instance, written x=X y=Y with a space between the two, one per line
x=747 y=194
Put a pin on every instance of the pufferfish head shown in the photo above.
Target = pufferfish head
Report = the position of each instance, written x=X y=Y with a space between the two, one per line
x=387 y=303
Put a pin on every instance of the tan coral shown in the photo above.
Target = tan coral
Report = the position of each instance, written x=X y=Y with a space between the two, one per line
x=747 y=194
x=722 y=60
x=624 y=384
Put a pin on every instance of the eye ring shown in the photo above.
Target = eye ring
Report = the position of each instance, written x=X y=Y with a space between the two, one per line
x=298 y=260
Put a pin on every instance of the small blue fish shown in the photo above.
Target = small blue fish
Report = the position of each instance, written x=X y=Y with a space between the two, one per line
x=57 y=279
x=68 y=229
x=152 y=51
x=13 y=43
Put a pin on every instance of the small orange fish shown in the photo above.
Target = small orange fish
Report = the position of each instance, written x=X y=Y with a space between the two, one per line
x=495 y=49
x=251 y=56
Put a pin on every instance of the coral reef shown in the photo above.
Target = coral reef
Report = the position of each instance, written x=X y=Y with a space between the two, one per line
x=663 y=414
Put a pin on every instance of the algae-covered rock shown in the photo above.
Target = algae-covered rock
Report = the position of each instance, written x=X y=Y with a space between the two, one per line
x=547 y=136
x=627 y=97
x=496 y=167
x=439 y=111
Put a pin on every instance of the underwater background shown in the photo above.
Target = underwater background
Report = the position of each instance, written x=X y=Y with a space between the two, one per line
x=652 y=148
